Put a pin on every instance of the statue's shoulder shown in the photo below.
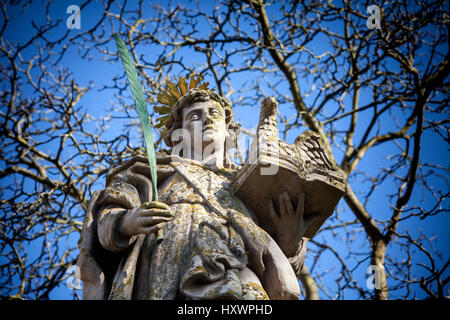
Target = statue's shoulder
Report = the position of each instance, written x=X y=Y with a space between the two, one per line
x=138 y=164
x=166 y=163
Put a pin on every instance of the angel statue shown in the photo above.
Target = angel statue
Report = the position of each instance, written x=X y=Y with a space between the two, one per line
x=230 y=232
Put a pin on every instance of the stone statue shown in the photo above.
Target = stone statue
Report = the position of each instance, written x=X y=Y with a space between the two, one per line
x=229 y=232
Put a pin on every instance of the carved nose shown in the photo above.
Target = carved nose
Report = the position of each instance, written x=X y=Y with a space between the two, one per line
x=208 y=119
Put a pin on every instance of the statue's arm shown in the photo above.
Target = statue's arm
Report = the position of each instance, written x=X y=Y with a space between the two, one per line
x=118 y=227
x=298 y=259
x=108 y=229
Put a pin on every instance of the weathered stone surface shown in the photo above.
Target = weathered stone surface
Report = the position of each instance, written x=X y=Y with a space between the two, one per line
x=217 y=243
x=206 y=247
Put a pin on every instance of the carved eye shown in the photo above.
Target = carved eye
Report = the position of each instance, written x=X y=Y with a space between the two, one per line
x=216 y=113
x=194 y=117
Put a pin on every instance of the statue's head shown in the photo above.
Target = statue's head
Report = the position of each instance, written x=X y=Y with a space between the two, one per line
x=190 y=110
x=201 y=121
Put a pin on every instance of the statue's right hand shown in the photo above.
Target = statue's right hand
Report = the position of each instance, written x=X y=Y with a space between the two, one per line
x=148 y=218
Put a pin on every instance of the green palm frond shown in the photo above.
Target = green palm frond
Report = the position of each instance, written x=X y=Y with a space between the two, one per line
x=141 y=106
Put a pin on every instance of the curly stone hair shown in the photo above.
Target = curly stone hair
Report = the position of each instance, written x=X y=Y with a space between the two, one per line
x=197 y=95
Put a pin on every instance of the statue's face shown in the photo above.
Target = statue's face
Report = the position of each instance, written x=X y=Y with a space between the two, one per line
x=205 y=122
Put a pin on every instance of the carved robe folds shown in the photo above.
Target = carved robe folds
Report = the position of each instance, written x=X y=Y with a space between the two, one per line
x=212 y=249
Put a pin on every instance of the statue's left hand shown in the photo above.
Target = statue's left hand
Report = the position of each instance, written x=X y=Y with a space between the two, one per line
x=290 y=224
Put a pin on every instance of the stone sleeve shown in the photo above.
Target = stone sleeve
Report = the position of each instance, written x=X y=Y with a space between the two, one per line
x=107 y=229
x=298 y=259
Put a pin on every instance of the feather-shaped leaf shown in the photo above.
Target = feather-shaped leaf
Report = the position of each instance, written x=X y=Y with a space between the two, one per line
x=141 y=106
x=169 y=99
x=164 y=99
x=162 y=110
x=162 y=121
x=191 y=83
x=204 y=86
x=173 y=90
x=194 y=82
x=182 y=85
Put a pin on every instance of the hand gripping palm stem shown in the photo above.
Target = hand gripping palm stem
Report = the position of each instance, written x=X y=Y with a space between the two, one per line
x=141 y=106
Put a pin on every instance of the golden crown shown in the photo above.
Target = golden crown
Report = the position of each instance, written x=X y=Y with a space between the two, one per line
x=173 y=92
